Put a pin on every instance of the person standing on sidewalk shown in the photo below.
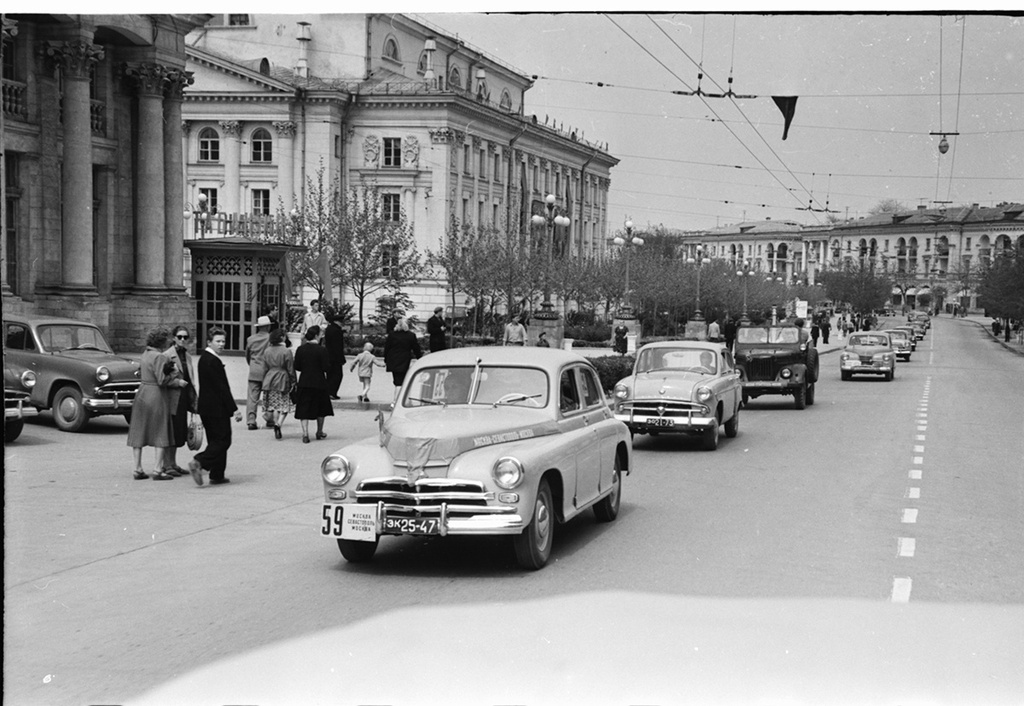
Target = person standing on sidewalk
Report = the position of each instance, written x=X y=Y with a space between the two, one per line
x=151 y=423
x=826 y=328
x=400 y=348
x=334 y=342
x=436 y=329
x=183 y=399
x=311 y=363
x=365 y=362
x=216 y=408
x=254 y=348
x=279 y=380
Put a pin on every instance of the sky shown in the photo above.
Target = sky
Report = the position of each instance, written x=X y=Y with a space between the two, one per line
x=870 y=91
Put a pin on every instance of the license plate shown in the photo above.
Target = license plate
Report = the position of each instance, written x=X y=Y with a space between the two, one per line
x=412 y=525
x=660 y=422
x=355 y=522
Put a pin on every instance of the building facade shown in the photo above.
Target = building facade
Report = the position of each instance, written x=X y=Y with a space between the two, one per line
x=91 y=143
x=437 y=125
x=920 y=249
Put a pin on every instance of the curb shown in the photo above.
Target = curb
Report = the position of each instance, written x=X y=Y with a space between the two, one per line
x=1010 y=346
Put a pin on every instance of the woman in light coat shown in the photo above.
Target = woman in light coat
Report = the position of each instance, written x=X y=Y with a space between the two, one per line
x=279 y=379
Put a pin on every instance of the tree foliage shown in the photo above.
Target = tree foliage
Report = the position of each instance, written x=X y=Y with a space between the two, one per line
x=859 y=285
x=1001 y=289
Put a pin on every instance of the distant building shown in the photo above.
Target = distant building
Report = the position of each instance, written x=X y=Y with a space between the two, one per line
x=92 y=189
x=437 y=124
x=919 y=249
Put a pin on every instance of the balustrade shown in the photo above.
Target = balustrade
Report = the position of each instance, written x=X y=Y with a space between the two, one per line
x=245 y=225
x=14 y=99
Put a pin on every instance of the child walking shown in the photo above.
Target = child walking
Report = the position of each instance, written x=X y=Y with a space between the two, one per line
x=365 y=362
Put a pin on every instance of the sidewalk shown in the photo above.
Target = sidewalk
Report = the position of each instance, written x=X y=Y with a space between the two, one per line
x=1015 y=344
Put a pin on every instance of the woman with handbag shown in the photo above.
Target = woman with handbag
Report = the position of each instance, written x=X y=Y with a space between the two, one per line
x=183 y=400
x=313 y=401
x=151 y=410
x=279 y=379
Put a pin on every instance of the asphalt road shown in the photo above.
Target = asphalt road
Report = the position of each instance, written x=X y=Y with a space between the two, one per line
x=800 y=534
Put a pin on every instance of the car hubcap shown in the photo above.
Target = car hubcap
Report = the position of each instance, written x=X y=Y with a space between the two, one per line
x=543 y=523
x=68 y=408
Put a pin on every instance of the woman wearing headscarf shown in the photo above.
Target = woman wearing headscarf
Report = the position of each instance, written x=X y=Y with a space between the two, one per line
x=279 y=379
x=183 y=399
x=400 y=348
x=151 y=411
x=314 y=402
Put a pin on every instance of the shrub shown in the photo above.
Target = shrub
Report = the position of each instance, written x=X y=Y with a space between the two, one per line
x=592 y=333
x=612 y=368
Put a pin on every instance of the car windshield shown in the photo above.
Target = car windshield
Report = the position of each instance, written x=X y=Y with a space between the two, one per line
x=786 y=334
x=869 y=340
x=62 y=337
x=491 y=385
x=900 y=335
x=694 y=359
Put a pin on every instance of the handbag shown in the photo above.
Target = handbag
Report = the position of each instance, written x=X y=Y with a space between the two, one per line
x=293 y=394
x=194 y=438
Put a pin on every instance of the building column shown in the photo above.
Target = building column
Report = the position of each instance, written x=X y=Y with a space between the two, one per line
x=232 y=180
x=174 y=188
x=149 y=175
x=286 y=163
x=76 y=59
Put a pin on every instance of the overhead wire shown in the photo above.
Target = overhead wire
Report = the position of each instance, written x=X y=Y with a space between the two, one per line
x=956 y=114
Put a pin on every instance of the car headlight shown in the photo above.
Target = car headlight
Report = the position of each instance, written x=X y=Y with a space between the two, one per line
x=703 y=394
x=28 y=378
x=844 y=356
x=507 y=472
x=621 y=391
x=786 y=374
x=336 y=469
x=102 y=373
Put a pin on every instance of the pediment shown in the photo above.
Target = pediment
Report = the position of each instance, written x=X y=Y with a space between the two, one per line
x=215 y=74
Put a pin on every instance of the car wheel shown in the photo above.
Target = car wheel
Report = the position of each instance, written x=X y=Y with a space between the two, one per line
x=732 y=427
x=810 y=394
x=607 y=509
x=889 y=376
x=357 y=552
x=12 y=430
x=68 y=412
x=533 y=546
x=844 y=375
x=800 y=396
x=812 y=365
x=709 y=439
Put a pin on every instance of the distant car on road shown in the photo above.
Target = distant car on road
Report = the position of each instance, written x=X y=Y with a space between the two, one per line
x=18 y=384
x=481 y=441
x=681 y=387
x=911 y=334
x=902 y=342
x=78 y=375
x=777 y=359
x=868 y=353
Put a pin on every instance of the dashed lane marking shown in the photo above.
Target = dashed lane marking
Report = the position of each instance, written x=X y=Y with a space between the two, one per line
x=906 y=546
x=901 y=589
x=914 y=493
x=909 y=516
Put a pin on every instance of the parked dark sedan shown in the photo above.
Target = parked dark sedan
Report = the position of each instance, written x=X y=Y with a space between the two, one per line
x=78 y=375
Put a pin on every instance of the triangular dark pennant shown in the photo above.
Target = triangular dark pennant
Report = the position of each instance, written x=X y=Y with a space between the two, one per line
x=787 y=104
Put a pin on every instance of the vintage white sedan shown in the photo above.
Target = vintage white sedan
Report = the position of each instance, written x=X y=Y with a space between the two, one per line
x=481 y=441
x=682 y=387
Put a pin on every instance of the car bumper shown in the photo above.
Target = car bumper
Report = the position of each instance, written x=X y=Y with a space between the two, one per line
x=762 y=387
x=19 y=411
x=453 y=519
x=668 y=425
x=860 y=369
x=104 y=405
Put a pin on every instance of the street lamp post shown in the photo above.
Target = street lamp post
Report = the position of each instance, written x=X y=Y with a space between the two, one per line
x=745 y=271
x=200 y=211
x=627 y=242
x=697 y=259
x=549 y=220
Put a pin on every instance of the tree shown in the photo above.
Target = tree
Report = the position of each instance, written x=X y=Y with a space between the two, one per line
x=452 y=258
x=379 y=250
x=859 y=285
x=887 y=206
x=1001 y=289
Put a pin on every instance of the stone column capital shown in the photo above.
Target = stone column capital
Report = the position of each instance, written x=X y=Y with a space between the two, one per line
x=186 y=127
x=231 y=127
x=175 y=82
x=441 y=135
x=75 y=58
x=285 y=128
x=147 y=77
x=10 y=28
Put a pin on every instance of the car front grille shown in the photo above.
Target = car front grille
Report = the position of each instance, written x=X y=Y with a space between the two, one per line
x=425 y=493
x=760 y=369
x=668 y=408
x=122 y=391
x=12 y=399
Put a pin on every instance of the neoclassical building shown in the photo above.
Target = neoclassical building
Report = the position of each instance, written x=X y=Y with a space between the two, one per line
x=438 y=125
x=920 y=249
x=92 y=189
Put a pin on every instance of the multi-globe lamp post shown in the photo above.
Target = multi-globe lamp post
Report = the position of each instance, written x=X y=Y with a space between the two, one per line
x=745 y=271
x=697 y=259
x=549 y=220
x=628 y=243
x=201 y=211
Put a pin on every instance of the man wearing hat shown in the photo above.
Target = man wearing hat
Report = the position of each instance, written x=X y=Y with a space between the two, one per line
x=254 y=348
x=436 y=329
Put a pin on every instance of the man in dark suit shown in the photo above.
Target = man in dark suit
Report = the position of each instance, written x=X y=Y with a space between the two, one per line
x=216 y=408
x=334 y=342
x=436 y=329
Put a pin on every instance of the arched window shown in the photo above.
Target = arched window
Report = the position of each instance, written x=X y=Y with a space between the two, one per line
x=209 y=145
x=391 y=49
x=262 y=146
x=454 y=78
x=506 y=101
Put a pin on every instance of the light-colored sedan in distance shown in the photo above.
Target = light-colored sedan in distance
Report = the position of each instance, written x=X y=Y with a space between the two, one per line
x=868 y=353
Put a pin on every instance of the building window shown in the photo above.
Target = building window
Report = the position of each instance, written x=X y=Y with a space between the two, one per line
x=261 y=202
x=391 y=207
x=536 y=181
x=467 y=163
x=389 y=260
x=10 y=71
x=483 y=164
x=497 y=167
x=209 y=145
x=262 y=146
x=337 y=146
x=211 y=198
x=391 y=49
x=238 y=20
x=968 y=245
x=393 y=152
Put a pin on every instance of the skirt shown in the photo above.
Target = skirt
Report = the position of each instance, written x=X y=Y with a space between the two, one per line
x=179 y=421
x=313 y=404
x=277 y=401
x=151 y=419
